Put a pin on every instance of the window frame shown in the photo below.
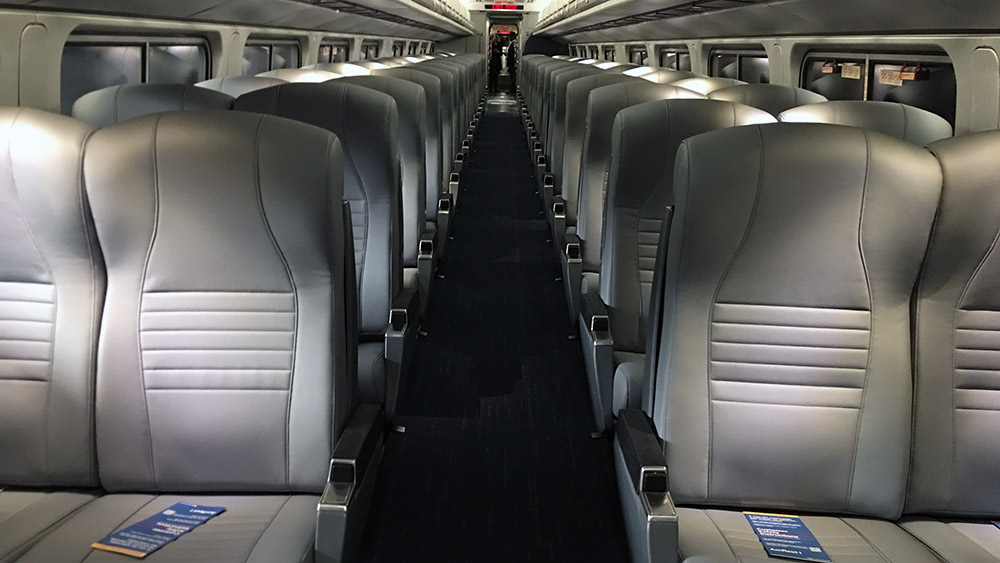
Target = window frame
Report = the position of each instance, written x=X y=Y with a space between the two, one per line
x=365 y=44
x=334 y=44
x=632 y=49
x=605 y=50
x=270 y=42
x=146 y=42
x=870 y=59
x=677 y=50
x=740 y=52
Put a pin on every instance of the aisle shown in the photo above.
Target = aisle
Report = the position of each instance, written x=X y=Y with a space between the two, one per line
x=497 y=462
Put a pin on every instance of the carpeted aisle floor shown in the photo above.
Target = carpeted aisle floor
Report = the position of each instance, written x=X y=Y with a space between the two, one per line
x=497 y=462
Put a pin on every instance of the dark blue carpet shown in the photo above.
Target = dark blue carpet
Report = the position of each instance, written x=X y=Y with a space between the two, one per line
x=497 y=462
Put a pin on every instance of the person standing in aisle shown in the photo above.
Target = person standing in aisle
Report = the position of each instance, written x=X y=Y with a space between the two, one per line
x=496 y=56
x=512 y=63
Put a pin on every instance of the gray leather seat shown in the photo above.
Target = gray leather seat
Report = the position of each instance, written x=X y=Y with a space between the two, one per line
x=300 y=75
x=558 y=122
x=780 y=355
x=411 y=103
x=436 y=159
x=905 y=122
x=591 y=124
x=707 y=85
x=115 y=104
x=953 y=488
x=449 y=112
x=772 y=98
x=236 y=86
x=367 y=123
x=48 y=256
x=664 y=75
x=457 y=80
x=577 y=93
x=343 y=69
x=223 y=358
x=645 y=139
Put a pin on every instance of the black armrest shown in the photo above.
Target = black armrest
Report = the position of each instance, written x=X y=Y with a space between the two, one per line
x=354 y=450
x=427 y=243
x=595 y=316
x=642 y=451
x=343 y=507
x=404 y=311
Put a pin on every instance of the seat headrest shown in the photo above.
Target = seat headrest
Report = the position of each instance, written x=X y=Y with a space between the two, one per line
x=343 y=69
x=772 y=98
x=300 y=75
x=897 y=120
x=236 y=86
x=115 y=104
x=707 y=85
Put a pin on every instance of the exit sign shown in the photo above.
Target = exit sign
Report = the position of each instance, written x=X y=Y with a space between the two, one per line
x=504 y=7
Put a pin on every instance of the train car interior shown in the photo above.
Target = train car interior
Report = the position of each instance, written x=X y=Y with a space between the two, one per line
x=604 y=281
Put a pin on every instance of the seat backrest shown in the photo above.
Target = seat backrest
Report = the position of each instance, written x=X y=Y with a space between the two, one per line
x=556 y=137
x=955 y=439
x=236 y=86
x=222 y=362
x=300 y=75
x=665 y=76
x=436 y=160
x=343 y=69
x=458 y=81
x=546 y=102
x=577 y=93
x=371 y=64
x=905 y=122
x=115 y=104
x=600 y=106
x=783 y=375
x=621 y=68
x=367 y=124
x=772 y=98
x=644 y=143
x=411 y=103
x=449 y=113
x=51 y=294
x=707 y=85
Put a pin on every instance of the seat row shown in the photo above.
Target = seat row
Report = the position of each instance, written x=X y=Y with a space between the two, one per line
x=802 y=321
x=178 y=324
x=400 y=213
x=821 y=341
x=204 y=306
x=620 y=138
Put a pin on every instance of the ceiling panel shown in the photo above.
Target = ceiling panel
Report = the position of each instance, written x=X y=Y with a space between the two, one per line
x=400 y=18
x=793 y=17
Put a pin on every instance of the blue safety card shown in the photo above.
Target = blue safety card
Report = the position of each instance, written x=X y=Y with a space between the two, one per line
x=145 y=537
x=786 y=536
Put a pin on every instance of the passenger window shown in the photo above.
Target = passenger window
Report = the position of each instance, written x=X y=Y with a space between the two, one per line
x=261 y=56
x=398 y=48
x=749 y=66
x=609 y=54
x=675 y=59
x=836 y=79
x=90 y=64
x=923 y=81
x=593 y=51
x=369 y=50
x=333 y=52
x=411 y=49
x=637 y=55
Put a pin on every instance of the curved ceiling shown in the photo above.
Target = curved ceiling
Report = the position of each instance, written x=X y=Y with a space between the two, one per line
x=395 y=18
x=622 y=20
